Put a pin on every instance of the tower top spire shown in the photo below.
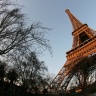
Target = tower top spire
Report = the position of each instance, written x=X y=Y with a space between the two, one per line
x=75 y=22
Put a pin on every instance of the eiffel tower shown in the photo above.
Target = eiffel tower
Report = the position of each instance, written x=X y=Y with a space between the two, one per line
x=83 y=50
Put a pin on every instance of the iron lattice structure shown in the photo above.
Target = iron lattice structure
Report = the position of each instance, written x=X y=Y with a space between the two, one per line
x=81 y=59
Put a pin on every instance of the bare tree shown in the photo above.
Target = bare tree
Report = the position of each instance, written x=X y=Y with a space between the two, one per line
x=16 y=35
x=2 y=70
x=86 y=68
x=17 y=38
x=12 y=75
x=32 y=72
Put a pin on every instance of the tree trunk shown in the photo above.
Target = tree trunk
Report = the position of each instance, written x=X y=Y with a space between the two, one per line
x=11 y=82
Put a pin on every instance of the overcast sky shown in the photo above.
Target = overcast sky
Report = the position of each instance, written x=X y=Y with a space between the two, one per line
x=52 y=15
